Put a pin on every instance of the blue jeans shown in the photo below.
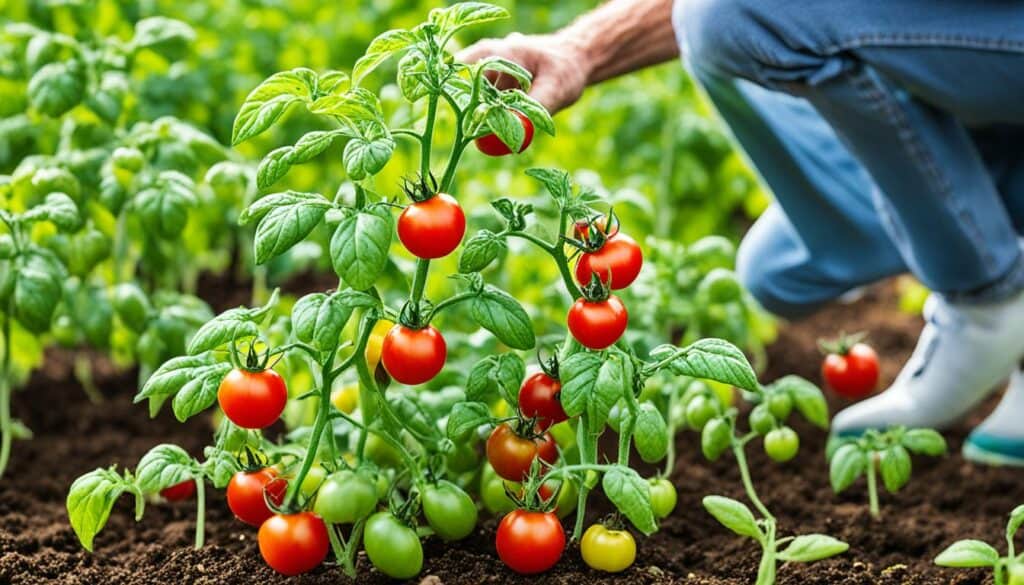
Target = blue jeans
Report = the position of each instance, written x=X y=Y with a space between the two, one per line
x=890 y=131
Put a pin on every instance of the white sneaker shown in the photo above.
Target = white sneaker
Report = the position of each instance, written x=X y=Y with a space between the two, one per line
x=963 y=354
x=999 y=440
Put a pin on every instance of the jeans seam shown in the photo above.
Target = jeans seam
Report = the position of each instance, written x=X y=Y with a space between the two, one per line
x=924 y=39
x=878 y=94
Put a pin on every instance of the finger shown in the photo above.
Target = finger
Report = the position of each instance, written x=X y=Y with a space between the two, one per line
x=548 y=92
x=506 y=81
x=477 y=51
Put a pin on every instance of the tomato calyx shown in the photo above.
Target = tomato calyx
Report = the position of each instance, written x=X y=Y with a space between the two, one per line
x=255 y=362
x=528 y=496
x=597 y=290
x=250 y=460
x=842 y=344
x=421 y=188
x=592 y=233
x=416 y=315
x=549 y=366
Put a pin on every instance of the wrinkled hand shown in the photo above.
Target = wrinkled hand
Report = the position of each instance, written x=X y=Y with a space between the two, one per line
x=557 y=64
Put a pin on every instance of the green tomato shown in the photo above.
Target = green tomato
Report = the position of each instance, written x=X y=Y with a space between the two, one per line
x=464 y=458
x=663 y=497
x=715 y=438
x=312 y=481
x=381 y=452
x=393 y=548
x=492 y=493
x=699 y=411
x=782 y=444
x=346 y=497
x=449 y=510
x=762 y=421
x=567 y=499
x=780 y=404
x=564 y=434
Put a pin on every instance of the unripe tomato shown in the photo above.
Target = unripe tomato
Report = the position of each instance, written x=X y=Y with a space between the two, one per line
x=345 y=498
x=619 y=259
x=179 y=491
x=491 y=145
x=530 y=542
x=663 y=497
x=782 y=444
x=567 y=494
x=245 y=495
x=392 y=547
x=252 y=400
x=699 y=411
x=314 y=477
x=761 y=420
x=346 y=398
x=493 y=495
x=854 y=374
x=598 y=324
x=512 y=455
x=413 y=356
x=780 y=405
x=538 y=398
x=449 y=511
x=432 y=228
x=293 y=543
x=611 y=551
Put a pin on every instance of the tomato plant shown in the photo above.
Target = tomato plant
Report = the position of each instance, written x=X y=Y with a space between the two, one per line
x=977 y=553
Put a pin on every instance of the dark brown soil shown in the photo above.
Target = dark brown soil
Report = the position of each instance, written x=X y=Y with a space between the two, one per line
x=947 y=498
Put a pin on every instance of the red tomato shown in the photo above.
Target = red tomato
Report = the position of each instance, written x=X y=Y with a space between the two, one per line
x=598 y=324
x=511 y=455
x=179 y=491
x=432 y=228
x=293 y=543
x=413 y=356
x=252 y=400
x=853 y=374
x=245 y=495
x=538 y=398
x=530 y=542
x=620 y=258
x=491 y=145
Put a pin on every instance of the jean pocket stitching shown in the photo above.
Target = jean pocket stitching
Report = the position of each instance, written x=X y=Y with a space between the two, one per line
x=924 y=40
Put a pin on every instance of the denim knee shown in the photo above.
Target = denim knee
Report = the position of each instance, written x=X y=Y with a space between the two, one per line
x=724 y=36
x=767 y=282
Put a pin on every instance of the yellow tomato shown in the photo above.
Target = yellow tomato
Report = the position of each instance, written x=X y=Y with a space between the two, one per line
x=376 y=342
x=724 y=392
x=612 y=551
x=346 y=398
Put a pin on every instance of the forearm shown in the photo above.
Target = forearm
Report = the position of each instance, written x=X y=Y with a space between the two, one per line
x=623 y=36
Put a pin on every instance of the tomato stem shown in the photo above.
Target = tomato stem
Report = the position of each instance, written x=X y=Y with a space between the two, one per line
x=748 y=485
x=872 y=478
x=419 y=281
x=200 y=512
x=323 y=413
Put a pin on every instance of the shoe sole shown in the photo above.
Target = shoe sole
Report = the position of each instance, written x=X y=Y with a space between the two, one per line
x=976 y=454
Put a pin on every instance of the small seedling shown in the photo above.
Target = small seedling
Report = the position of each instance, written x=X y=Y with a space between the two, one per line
x=968 y=554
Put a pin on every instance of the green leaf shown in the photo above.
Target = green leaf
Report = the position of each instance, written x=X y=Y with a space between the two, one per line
x=498 y=312
x=90 y=500
x=381 y=48
x=318 y=318
x=650 y=433
x=166 y=36
x=164 y=203
x=508 y=67
x=287 y=224
x=197 y=377
x=632 y=496
x=279 y=161
x=714 y=359
x=465 y=418
x=56 y=88
x=163 y=466
x=507 y=127
x=965 y=554
x=463 y=14
x=1016 y=520
x=365 y=157
x=895 y=467
x=37 y=288
x=807 y=398
x=847 y=464
x=578 y=374
x=480 y=250
x=734 y=515
x=264 y=205
x=614 y=380
x=236 y=324
x=359 y=247
x=715 y=438
x=496 y=374
x=556 y=182
x=220 y=466
x=268 y=102
x=531 y=108
x=924 y=442
x=808 y=548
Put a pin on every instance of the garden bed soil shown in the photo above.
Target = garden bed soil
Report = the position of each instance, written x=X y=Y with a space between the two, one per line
x=947 y=498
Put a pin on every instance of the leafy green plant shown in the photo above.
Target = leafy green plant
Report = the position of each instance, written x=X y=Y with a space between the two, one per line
x=886 y=453
x=1006 y=570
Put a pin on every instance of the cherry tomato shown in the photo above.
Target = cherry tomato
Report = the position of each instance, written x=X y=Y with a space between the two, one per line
x=512 y=455
x=413 y=356
x=611 y=551
x=663 y=497
x=782 y=444
x=346 y=398
x=449 y=510
x=392 y=547
x=530 y=542
x=853 y=374
x=566 y=502
x=252 y=400
x=345 y=497
x=780 y=404
x=598 y=324
x=432 y=228
x=293 y=543
x=699 y=411
x=314 y=477
x=620 y=258
x=491 y=145
x=179 y=491
x=538 y=398
x=376 y=342
x=493 y=495
x=245 y=495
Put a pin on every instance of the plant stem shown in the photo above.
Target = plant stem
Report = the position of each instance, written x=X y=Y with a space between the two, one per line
x=670 y=456
x=352 y=548
x=766 y=570
x=419 y=281
x=200 y=512
x=587 y=452
x=428 y=137
x=876 y=512
x=120 y=246
x=5 y=396
x=341 y=551
x=83 y=372
x=748 y=485
x=323 y=413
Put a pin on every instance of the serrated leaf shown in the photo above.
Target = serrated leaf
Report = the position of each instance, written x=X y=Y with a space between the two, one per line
x=556 y=182
x=480 y=250
x=507 y=127
x=462 y=14
x=220 y=466
x=650 y=433
x=531 y=108
x=734 y=515
x=199 y=375
x=264 y=205
x=465 y=417
x=163 y=466
x=381 y=48
x=966 y=554
x=236 y=324
x=614 y=380
x=498 y=312
x=269 y=101
x=632 y=496
x=507 y=67
x=279 y=161
x=714 y=359
x=578 y=374
x=808 y=548
x=286 y=225
x=90 y=500
x=365 y=157
x=359 y=247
